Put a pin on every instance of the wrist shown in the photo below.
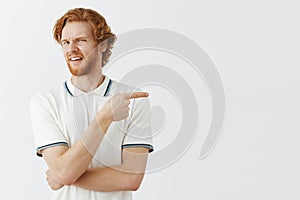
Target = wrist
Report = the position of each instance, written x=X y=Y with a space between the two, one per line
x=104 y=120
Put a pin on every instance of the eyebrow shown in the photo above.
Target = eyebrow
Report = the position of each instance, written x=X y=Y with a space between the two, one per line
x=64 y=40
x=76 y=38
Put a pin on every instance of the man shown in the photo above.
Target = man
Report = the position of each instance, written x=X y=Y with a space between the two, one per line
x=94 y=133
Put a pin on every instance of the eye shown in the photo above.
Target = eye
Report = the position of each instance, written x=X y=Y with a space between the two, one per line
x=82 y=40
x=64 y=43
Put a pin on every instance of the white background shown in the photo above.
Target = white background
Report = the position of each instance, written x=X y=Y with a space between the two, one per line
x=255 y=46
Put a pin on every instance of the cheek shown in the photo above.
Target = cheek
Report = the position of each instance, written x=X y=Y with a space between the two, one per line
x=65 y=54
x=93 y=51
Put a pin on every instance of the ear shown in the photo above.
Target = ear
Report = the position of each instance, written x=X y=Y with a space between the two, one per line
x=103 y=46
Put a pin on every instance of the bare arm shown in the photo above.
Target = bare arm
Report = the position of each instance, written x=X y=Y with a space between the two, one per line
x=66 y=165
x=127 y=176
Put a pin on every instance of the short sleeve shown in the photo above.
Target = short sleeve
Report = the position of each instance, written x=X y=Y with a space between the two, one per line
x=45 y=128
x=138 y=133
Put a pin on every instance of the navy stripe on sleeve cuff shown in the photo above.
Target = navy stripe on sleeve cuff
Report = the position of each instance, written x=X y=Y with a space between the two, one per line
x=148 y=146
x=49 y=145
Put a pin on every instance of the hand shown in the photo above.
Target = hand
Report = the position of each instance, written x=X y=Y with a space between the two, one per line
x=117 y=107
x=54 y=185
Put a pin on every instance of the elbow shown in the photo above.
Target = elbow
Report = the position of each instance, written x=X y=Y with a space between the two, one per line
x=134 y=182
x=135 y=187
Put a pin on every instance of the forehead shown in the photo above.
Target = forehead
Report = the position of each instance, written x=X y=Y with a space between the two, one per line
x=76 y=29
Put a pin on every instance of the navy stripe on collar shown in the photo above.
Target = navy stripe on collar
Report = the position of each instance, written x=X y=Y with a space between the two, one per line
x=108 y=88
x=68 y=89
x=105 y=94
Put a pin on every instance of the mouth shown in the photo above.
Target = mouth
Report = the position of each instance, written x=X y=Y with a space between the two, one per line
x=75 y=59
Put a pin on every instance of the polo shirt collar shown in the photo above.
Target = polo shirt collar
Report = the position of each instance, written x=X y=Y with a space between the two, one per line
x=101 y=90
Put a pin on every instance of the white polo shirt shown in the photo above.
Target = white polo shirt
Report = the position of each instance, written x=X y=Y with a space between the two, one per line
x=61 y=115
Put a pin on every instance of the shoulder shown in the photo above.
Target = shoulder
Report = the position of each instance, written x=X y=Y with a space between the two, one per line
x=117 y=87
x=50 y=95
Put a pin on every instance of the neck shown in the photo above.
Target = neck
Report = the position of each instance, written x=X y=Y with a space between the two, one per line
x=88 y=82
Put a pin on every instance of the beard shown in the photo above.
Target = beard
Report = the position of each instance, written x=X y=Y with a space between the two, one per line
x=86 y=65
x=80 y=69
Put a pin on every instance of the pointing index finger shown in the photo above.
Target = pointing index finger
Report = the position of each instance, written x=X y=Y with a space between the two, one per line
x=135 y=95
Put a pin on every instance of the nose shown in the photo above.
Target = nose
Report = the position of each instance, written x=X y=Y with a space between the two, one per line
x=72 y=47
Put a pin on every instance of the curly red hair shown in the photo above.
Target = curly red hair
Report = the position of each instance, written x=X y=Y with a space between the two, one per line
x=101 y=30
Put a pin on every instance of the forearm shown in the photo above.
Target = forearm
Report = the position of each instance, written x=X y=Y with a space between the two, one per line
x=68 y=164
x=71 y=164
x=127 y=176
x=107 y=179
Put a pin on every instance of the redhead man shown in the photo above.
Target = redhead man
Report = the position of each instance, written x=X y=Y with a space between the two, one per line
x=93 y=132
